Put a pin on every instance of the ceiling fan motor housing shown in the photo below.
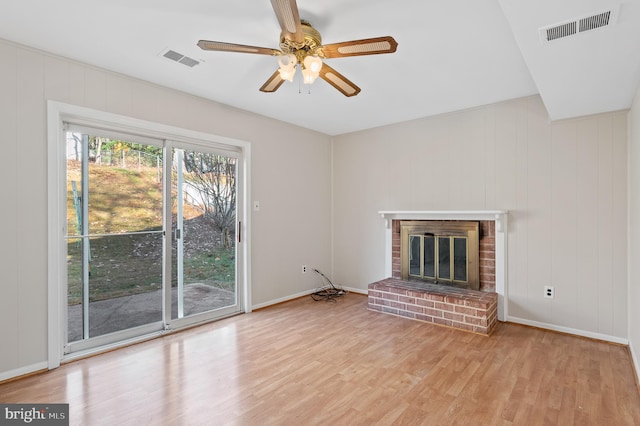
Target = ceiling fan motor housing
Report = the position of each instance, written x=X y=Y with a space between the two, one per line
x=311 y=45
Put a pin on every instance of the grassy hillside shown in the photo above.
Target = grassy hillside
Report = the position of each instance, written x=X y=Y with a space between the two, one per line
x=124 y=201
x=121 y=200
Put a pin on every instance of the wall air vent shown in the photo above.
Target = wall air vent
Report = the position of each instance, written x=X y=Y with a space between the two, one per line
x=578 y=25
x=179 y=57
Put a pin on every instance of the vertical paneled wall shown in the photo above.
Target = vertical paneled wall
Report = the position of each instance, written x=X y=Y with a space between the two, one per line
x=634 y=231
x=292 y=194
x=564 y=185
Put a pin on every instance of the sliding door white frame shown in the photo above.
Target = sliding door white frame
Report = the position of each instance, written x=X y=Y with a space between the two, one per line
x=58 y=113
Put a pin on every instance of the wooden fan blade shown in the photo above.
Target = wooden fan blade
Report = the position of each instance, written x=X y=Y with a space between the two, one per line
x=273 y=83
x=339 y=81
x=221 y=46
x=367 y=46
x=289 y=19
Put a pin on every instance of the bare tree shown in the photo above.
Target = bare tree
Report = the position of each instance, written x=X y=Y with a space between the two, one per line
x=214 y=178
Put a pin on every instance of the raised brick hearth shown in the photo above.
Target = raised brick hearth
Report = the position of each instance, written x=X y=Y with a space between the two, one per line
x=468 y=310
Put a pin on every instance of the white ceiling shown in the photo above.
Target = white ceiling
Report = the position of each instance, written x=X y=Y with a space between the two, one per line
x=452 y=54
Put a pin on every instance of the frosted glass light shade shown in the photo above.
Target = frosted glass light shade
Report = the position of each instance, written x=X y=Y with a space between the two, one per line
x=287 y=73
x=287 y=61
x=313 y=63
x=308 y=76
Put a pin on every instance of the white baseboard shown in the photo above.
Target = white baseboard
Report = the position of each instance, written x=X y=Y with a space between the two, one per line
x=355 y=290
x=12 y=374
x=568 y=330
x=283 y=299
x=302 y=294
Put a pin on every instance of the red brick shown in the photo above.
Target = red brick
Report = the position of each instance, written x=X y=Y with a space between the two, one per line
x=435 y=297
x=407 y=299
x=465 y=310
x=397 y=305
x=488 y=277
x=482 y=330
x=442 y=321
x=424 y=302
x=459 y=305
x=466 y=327
x=414 y=308
x=433 y=312
x=454 y=317
x=397 y=290
x=444 y=307
x=390 y=296
x=488 y=286
x=425 y=318
x=406 y=314
x=375 y=301
x=476 y=321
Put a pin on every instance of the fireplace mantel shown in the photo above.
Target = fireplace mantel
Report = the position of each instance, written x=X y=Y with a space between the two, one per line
x=500 y=218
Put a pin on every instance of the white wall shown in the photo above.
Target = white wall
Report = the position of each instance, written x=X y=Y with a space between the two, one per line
x=290 y=177
x=564 y=185
x=634 y=231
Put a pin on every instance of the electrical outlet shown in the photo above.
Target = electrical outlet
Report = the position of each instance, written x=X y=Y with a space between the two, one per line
x=549 y=292
x=304 y=269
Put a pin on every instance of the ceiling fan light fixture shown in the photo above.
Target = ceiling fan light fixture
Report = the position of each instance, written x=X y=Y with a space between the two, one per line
x=309 y=76
x=301 y=44
x=313 y=63
x=287 y=73
x=311 y=69
x=287 y=61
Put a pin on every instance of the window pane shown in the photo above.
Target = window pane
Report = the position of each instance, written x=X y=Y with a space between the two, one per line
x=430 y=257
x=444 y=268
x=460 y=259
x=414 y=255
x=74 y=184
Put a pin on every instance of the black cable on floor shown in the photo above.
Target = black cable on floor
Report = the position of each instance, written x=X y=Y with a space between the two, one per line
x=328 y=291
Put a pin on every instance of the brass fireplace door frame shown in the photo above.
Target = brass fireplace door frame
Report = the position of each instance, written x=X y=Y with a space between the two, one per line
x=470 y=230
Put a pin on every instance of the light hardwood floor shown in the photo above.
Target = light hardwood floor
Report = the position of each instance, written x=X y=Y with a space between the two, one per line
x=306 y=363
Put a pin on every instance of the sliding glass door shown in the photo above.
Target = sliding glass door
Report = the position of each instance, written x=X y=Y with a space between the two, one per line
x=151 y=236
x=114 y=236
x=203 y=220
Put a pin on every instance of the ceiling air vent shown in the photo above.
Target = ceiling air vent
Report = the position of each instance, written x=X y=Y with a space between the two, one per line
x=578 y=25
x=595 y=21
x=560 y=31
x=179 y=57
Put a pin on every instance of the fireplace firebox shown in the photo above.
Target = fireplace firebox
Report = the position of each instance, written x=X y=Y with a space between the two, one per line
x=440 y=252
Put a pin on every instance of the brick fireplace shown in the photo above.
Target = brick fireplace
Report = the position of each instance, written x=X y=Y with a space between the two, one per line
x=472 y=310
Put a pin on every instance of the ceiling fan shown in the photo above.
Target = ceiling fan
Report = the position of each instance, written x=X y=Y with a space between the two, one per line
x=301 y=44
